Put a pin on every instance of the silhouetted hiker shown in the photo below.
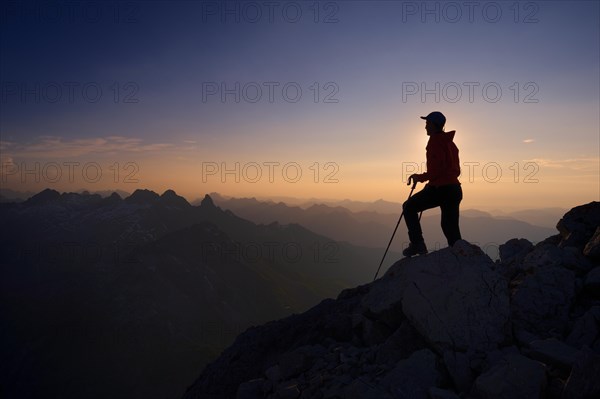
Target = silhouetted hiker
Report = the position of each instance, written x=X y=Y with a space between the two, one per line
x=443 y=189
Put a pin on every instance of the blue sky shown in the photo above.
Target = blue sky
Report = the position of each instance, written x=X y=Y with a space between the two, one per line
x=364 y=54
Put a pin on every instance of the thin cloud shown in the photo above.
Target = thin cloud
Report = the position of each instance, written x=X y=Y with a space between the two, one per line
x=578 y=164
x=4 y=145
x=56 y=147
x=527 y=141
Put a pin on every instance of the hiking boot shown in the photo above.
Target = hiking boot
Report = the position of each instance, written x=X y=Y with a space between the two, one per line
x=415 y=249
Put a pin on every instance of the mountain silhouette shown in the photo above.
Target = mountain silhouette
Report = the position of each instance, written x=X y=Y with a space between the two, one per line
x=149 y=284
x=448 y=324
x=372 y=229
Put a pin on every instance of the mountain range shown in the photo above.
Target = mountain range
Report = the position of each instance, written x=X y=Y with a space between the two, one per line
x=373 y=229
x=138 y=293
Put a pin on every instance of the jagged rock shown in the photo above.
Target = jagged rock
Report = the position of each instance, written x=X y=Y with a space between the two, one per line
x=438 y=393
x=579 y=224
x=361 y=389
x=380 y=340
x=482 y=363
x=258 y=348
x=301 y=359
x=452 y=297
x=384 y=300
x=586 y=330
x=273 y=374
x=515 y=377
x=546 y=254
x=251 y=389
x=336 y=387
x=513 y=248
x=289 y=391
x=412 y=377
x=404 y=341
x=512 y=253
x=592 y=248
x=541 y=303
x=524 y=337
x=459 y=368
x=583 y=383
x=554 y=387
x=592 y=282
x=370 y=332
x=552 y=352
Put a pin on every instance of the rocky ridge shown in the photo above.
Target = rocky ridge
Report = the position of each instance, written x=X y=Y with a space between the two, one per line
x=450 y=324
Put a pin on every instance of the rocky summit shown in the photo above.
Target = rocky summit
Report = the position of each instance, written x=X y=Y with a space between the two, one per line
x=449 y=324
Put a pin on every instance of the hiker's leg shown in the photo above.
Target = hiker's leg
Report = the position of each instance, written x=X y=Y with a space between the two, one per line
x=451 y=197
x=424 y=199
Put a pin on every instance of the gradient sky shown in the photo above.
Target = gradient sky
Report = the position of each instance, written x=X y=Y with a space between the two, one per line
x=157 y=122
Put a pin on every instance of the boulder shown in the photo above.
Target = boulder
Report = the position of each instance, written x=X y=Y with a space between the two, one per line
x=383 y=301
x=273 y=374
x=547 y=254
x=579 y=225
x=515 y=377
x=400 y=345
x=360 y=389
x=438 y=393
x=412 y=377
x=459 y=368
x=553 y=352
x=592 y=248
x=586 y=330
x=288 y=391
x=583 y=381
x=370 y=332
x=252 y=389
x=453 y=298
x=512 y=253
x=540 y=303
x=299 y=360
x=591 y=284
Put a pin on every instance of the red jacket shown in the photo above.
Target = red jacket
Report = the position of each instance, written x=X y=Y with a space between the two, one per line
x=443 y=166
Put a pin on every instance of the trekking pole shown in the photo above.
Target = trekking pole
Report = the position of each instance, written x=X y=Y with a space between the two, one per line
x=394 y=233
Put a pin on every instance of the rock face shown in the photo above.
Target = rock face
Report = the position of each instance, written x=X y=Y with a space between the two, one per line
x=448 y=324
x=515 y=376
x=578 y=225
x=452 y=297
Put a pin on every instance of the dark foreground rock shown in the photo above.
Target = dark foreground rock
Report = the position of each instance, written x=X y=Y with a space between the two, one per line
x=448 y=324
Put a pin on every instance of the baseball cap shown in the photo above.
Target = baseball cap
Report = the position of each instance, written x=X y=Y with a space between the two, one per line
x=435 y=117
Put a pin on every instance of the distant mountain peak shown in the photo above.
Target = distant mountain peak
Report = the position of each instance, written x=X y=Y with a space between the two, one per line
x=143 y=196
x=43 y=197
x=207 y=202
x=171 y=198
x=114 y=198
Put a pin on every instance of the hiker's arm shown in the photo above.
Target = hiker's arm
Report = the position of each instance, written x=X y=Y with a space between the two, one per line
x=414 y=178
x=435 y=164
